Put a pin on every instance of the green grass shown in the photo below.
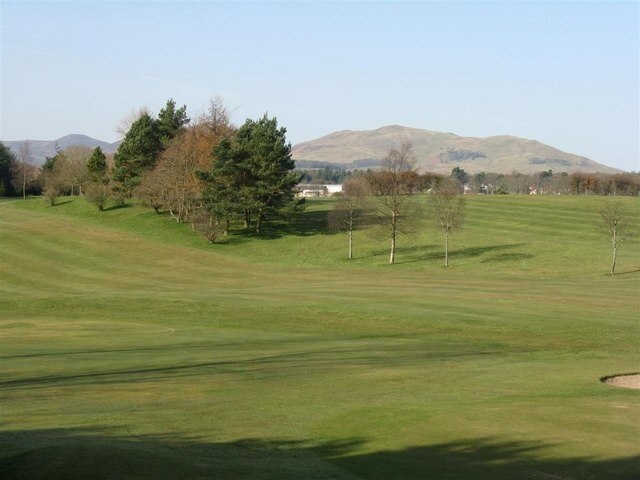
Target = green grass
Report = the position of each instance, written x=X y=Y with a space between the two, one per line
x=130 y=348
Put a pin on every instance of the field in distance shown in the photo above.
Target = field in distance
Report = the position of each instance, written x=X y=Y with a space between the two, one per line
x=130 y=348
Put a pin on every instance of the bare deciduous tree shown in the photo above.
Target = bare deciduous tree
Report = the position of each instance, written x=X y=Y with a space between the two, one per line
x=391 y=190
x=74 y=168
x=125 y=124
x=217 y=118
x=350 y=208
x=448 y=211
x=615 y=222
x=98 y=193
x=174 y=185
x=26 y=170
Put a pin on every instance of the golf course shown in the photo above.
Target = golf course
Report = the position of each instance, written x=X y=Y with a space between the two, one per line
x=131 y=348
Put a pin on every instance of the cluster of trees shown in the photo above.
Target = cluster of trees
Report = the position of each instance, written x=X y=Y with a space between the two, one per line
x=383 y=198
x=18 y=174
x=204 y=171
x=549 y=182
x=541 y=183
x=326 y=175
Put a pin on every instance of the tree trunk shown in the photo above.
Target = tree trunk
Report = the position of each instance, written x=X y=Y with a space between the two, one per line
x=614 y=253
x=226 y=227
x=350 y=244
x=392 y=256
x=247 y=218
x=259 y=224
x=446 y=249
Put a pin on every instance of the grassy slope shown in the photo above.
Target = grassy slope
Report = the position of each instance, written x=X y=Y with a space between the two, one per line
x=128 y=343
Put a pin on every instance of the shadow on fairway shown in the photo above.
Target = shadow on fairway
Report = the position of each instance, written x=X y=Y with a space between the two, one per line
x=422 y=253
x=62 y=202
x=301 y=224
x=80 y=454
x=507 y=257
x=266 y=364
x=117 y=207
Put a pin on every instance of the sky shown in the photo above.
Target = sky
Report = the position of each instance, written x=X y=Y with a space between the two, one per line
x=564 y=73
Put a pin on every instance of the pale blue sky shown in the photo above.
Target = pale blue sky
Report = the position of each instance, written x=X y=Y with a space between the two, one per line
x=564 y=73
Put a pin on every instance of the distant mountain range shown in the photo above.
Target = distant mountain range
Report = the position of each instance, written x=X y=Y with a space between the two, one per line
x=435 y=151
x=441 y=152
x=41 y=149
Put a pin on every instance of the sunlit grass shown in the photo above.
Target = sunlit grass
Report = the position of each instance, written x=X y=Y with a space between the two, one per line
x=127 y=340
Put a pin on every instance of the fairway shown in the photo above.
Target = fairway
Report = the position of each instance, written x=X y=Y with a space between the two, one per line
x=131 y=348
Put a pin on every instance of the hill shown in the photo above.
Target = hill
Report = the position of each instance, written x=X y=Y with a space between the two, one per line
x=440 y=152
x=40 y=149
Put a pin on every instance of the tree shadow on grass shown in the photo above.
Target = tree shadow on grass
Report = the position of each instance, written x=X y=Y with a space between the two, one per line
x=507 y=257
x=117 y=207
x=75 y=453
x=264 y=364
x=423 y=253
x=62 y=202
x=301 y=224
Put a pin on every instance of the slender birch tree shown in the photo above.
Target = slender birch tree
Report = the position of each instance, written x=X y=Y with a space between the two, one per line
x=391 y=190
x=350 y=208
x=448 y=211
x=615 y=222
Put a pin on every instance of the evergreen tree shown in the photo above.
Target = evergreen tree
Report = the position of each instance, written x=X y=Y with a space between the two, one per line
x=137 y=153
x=7 y=171
x=171 y=121
x=253 y=173
x=97 y=165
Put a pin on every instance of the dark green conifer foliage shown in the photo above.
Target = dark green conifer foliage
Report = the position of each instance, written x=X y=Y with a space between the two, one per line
x=171 y=121
x=137 y=153
x=97 y=165
x=7 y=168
x=253 y=173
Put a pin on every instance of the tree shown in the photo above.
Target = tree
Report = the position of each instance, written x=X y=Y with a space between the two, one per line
x=253 y=172
x=391 y=191
x=460 y=175
x=74 y=169
x=51 y=177
x=98 y=193
x=448 y=211
x=25 y=170
x=174 y=184
x=124 y=125
x=136 y=154
x=97 y=166
x=350 y=208
x=98 y=189
x=8 y=168
x=143 y=143
x=615 y=221
x=171 y=122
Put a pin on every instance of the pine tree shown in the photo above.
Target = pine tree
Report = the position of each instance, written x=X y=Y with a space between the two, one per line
x=171 y=121
x=137 y=153
x=253 y=173
x=8 y=168
x=97 y=165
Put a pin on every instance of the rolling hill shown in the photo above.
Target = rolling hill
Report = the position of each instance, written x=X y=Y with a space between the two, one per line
x=40 y=149
x=440 y=152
